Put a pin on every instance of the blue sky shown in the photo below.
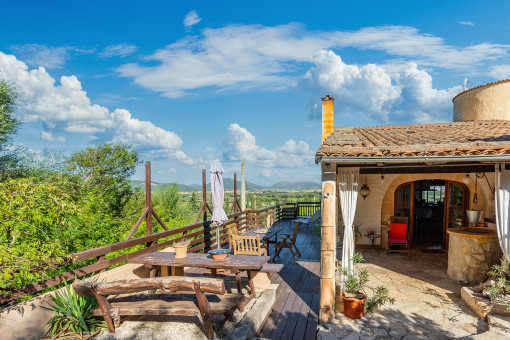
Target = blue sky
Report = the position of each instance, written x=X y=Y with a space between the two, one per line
x=188 y=83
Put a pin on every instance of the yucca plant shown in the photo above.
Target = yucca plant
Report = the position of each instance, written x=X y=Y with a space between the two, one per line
x=71 y=313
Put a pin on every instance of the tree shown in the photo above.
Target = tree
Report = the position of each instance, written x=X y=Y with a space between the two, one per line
x=9 y=125
x=103 y=172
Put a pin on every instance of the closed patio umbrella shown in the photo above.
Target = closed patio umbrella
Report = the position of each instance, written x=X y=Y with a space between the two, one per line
x=217 y=193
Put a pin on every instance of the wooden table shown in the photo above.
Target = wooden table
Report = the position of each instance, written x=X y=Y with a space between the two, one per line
x=175 y=267
x=266 y=237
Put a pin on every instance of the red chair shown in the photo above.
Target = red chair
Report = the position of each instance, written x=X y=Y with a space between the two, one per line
x=398 y=235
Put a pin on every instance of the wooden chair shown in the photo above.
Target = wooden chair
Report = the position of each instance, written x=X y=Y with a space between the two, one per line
x=232 y=230
x=288 y=242
x=398 y=234
x=176 y=300
x=248 y=245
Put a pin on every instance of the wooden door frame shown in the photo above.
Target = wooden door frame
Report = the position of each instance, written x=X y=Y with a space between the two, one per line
x=445 y=206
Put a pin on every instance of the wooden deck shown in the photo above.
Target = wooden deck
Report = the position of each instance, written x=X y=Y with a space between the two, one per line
x=296 y=309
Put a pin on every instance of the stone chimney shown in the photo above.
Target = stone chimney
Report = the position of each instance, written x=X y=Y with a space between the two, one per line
x=327 y=116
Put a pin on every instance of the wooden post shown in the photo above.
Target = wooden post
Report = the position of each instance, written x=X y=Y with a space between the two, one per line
x=234 y=203
x=148 y=200
x=243 y=187
x=328 y=242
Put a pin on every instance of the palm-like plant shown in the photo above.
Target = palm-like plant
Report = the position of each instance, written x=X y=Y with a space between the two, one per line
x=71 y=313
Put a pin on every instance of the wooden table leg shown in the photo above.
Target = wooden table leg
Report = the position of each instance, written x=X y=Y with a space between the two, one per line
x=213 y=273
x=174 y=271
x=252 y=287
x=238 y=281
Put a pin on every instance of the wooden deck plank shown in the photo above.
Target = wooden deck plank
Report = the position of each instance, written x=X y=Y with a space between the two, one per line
x=300 y=328
x=313 y=319
x=292 y=318
x=283 y=317
x=294 y=315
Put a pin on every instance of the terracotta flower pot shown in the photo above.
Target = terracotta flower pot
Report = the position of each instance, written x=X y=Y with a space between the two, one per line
x=354 y=308
x=181 y=251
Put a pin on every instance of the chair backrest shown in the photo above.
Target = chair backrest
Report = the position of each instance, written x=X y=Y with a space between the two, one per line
x=232 y=229
x=296 y=229
x=246 y=245
x=399 y=219
x=398 y=231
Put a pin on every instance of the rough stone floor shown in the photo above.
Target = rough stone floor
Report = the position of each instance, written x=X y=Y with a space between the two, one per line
x=428 y=303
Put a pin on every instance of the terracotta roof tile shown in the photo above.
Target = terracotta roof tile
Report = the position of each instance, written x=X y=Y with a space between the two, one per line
x=488 y=137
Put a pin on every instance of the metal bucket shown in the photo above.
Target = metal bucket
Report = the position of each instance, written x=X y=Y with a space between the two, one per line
x=474 y=216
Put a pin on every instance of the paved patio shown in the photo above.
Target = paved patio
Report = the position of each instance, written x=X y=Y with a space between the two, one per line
x=428 y=304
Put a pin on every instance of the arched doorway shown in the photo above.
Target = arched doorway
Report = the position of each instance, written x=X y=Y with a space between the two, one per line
x=432 y=206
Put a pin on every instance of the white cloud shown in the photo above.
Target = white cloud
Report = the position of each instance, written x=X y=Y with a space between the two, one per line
x=48 y=136
x=243 y=57
x=240 y=144
x=42 y=55
x=191 y=19
x=500 y=71
x=466 y=23
x=120 y=50
x=405 y=95
x=65 y=107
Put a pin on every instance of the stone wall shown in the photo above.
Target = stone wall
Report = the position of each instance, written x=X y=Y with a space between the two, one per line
x=469 y=258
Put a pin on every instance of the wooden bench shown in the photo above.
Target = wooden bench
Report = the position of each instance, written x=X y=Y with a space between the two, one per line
x=262 y=277
x=182 y=296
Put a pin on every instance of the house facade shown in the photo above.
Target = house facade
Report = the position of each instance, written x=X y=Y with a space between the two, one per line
x=433 y=174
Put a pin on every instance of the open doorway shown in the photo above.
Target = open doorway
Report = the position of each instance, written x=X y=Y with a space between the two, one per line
x=429 y=196
x=432 y=206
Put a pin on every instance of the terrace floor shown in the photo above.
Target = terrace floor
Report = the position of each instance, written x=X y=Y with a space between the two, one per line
x=296 y=309
x=428 y=303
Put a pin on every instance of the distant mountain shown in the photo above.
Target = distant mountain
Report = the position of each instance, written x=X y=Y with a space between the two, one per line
x=228 y=183
x=284 y=185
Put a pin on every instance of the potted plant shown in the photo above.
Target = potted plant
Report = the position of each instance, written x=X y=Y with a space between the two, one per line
x=354 y=291
x=181 y=248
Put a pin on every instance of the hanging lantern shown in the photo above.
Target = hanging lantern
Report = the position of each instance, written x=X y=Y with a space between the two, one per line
x=364 y=191
x=467 y=179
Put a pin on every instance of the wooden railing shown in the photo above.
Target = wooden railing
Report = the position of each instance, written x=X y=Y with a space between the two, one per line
x=294 y=210
x=202 y=234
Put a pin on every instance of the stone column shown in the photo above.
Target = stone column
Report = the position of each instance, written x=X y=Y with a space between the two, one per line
x=328 y=242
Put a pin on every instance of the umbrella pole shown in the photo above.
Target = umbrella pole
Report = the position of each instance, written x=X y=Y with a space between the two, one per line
x=218 y=236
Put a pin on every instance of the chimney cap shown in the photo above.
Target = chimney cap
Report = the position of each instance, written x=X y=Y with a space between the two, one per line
x=328 y=97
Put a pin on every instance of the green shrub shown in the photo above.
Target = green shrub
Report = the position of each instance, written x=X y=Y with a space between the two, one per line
x=499 y=289
x=71 y=313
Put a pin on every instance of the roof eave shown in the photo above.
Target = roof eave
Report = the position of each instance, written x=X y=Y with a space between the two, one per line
x=425 y=159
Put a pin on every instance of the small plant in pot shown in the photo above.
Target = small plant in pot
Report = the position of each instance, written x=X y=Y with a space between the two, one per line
x=354 y=294
x=181 y=248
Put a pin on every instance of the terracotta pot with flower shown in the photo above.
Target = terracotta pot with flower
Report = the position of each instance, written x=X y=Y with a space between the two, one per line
x=354 y=291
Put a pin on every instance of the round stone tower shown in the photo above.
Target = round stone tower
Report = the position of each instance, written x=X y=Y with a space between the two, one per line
x=486 y=102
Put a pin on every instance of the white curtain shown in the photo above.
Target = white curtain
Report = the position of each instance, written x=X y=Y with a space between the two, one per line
x=348 y=188
x=503 y=208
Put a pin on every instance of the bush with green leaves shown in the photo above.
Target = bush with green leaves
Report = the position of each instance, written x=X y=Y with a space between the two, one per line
x=71 y=313
x=498 y=289
x=357 y=282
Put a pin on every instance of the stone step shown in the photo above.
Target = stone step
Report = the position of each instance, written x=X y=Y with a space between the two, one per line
x=499 y=322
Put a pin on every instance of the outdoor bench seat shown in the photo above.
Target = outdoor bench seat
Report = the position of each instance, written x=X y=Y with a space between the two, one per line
x=180 y=296
x=262 y=277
